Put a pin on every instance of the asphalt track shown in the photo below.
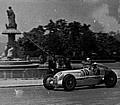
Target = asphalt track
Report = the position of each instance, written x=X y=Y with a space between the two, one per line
x=38 y=95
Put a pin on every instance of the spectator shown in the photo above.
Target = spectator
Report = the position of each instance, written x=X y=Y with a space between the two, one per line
x=28 y=57
x=41 y=59
x=51 y=65
x=68 y=63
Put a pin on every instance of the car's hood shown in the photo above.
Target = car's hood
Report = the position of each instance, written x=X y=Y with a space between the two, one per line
x=72 y=71
x=75 y=72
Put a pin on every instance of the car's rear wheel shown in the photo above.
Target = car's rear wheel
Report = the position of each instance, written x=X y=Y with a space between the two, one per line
x=69 y=82
x=46 y=82
x=110 y=79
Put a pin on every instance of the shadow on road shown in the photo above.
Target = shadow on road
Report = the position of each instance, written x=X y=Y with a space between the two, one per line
x=88 y=87
x=81 y=88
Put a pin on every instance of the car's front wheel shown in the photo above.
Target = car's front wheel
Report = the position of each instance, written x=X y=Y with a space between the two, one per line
x=46 y=82
x=69 y=82
x=110 y=79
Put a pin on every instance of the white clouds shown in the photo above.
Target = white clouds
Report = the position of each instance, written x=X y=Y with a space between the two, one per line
x=108 y=22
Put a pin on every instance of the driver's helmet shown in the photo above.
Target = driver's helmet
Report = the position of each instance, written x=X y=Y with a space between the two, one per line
x=94 y=64
x=88 y=59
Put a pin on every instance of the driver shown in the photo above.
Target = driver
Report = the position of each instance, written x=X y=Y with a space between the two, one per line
x=87 y=63
x=96 y=70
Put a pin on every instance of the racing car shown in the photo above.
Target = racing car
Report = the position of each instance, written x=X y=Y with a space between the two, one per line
x=90 y=75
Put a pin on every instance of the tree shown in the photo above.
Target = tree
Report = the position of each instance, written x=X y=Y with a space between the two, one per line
x=30 y=39
x=69 y=39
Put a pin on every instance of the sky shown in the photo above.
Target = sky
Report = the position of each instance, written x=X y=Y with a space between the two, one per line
x=103 y=15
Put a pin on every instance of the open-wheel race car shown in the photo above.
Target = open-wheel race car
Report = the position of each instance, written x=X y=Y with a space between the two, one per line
x=90 y=75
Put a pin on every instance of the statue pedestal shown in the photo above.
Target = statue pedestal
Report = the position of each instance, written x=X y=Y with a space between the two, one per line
x=11 y=32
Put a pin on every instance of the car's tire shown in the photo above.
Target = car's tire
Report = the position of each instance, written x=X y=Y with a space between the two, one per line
x=46 y=82
x=69 y=82
x=110 y=79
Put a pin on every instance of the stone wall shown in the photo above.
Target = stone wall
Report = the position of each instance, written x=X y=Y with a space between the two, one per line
x=36 y=73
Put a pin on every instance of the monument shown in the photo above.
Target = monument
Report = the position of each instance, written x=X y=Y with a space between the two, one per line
x=11 y=66
x=11 y=31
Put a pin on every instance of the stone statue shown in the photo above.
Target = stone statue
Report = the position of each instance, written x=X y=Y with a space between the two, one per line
x=10 y=53
x=11 y=19
x=4 y=54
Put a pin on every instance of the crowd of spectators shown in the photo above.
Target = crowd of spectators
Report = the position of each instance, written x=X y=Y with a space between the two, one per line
x=57 y=64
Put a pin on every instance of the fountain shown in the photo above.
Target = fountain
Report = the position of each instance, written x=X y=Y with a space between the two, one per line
x=11 y=66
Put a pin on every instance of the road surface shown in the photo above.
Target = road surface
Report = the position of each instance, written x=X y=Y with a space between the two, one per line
x=38 y=95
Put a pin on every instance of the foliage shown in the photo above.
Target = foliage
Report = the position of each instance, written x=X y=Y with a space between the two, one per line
x=70 y=39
